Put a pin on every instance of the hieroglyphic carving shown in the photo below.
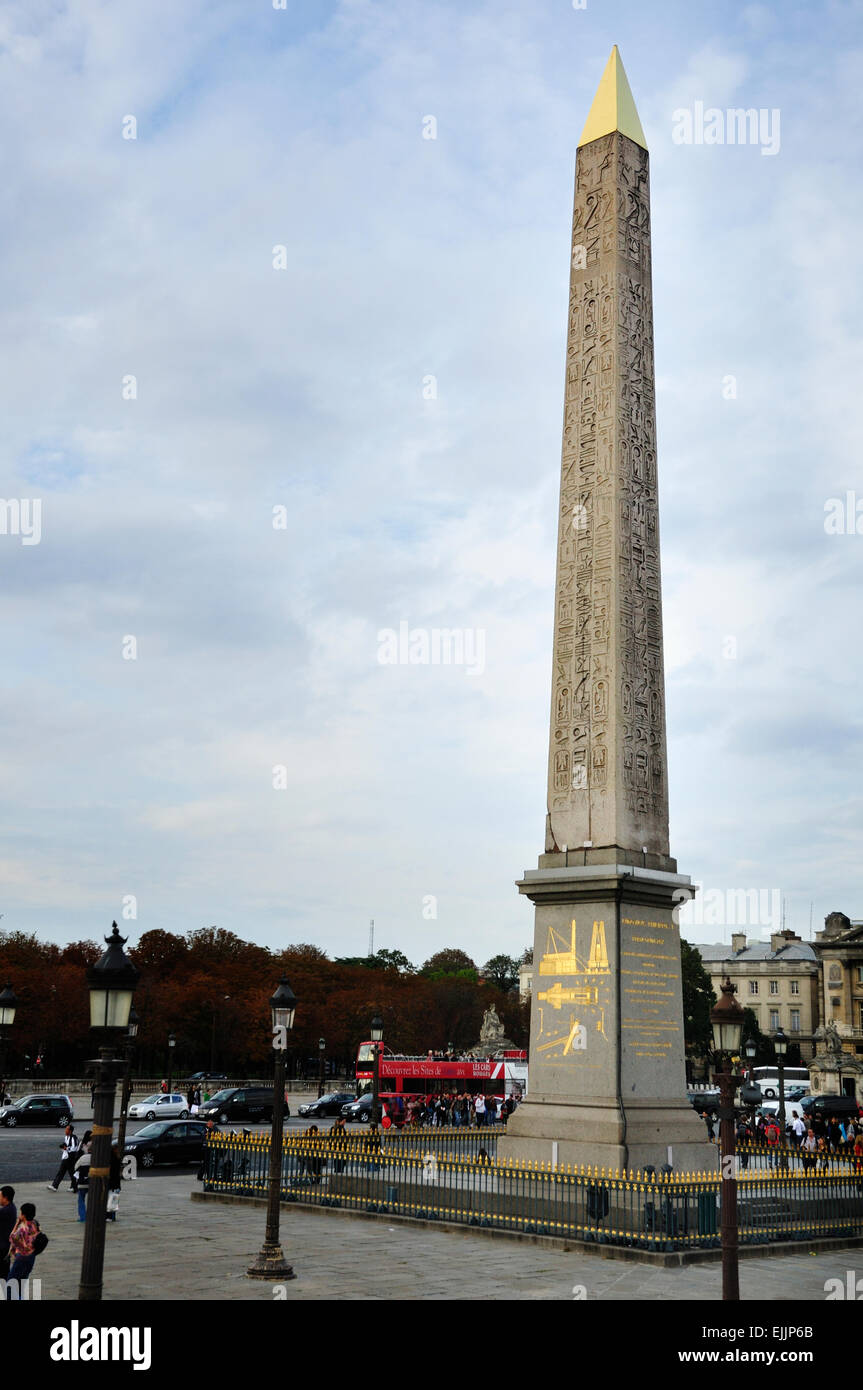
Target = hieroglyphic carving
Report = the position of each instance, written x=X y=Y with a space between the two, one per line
x=607 y=766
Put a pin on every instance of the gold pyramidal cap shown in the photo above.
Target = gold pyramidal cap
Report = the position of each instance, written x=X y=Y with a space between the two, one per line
x=613 y=106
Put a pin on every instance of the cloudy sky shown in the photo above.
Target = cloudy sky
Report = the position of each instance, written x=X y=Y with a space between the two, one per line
x=194 y=715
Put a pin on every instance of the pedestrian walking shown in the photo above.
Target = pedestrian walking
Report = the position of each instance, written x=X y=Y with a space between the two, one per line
x=70 y=1147
x=115 y=1177
x=809 y=1151
x=798 y=1128
x=82 y=1173
x=479 y=1107
x=744 y=1138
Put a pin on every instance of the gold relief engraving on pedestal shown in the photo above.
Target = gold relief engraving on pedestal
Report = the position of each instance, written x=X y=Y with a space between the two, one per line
x=589 y=991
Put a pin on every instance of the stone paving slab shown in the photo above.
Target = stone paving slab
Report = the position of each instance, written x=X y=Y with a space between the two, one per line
x=166 y=1247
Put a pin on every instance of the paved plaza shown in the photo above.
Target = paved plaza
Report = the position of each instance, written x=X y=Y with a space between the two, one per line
x=167 y=1247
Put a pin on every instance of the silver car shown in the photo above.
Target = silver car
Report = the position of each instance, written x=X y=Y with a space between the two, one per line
x=160 y=1107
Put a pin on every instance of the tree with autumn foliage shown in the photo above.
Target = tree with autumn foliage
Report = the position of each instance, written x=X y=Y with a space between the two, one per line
x=211 y=989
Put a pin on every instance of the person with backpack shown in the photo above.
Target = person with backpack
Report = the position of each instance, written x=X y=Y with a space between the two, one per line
x=772 y=1138
x=25 y=1243
x=71 y=1147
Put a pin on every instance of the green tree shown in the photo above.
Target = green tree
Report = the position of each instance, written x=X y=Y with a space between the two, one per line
x=450 y=961
x=698 y=1000
x=501 y=971
x=396 y=960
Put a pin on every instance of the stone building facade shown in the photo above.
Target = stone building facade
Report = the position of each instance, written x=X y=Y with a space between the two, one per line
x=839 y=950
x=779 y=980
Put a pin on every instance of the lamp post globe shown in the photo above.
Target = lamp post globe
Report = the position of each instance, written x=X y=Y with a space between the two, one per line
x=111 y=982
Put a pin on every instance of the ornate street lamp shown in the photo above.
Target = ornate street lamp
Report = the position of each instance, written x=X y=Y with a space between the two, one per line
x=172 y=1043
x=8 y=1005
x=377 y=1040
x=111 y=982
x=726 y=1019
x=126 y=1090
x=322 y=1055
x=271 y=1263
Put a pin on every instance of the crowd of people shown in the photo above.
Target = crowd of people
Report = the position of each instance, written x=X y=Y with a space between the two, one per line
x=815 y=1140
x=447 y=1108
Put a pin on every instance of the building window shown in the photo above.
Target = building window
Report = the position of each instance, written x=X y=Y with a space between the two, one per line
x=795 y=986
x=753 y=986
x=795 y=1020
x=774 y=986
x=860 y=974
x=774 y=1019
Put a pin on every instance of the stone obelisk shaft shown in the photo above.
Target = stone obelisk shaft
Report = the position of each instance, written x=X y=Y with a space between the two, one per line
x=607 y=1084
x=607 y=758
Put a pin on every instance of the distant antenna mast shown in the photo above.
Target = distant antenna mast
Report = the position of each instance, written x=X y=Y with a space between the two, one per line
x=372 y=937
x=811 y=905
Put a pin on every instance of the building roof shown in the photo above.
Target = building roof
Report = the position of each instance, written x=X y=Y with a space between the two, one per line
x=757 y=951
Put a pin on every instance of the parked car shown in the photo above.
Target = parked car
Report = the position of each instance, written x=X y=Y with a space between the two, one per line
x=167 y=1142
x=241 y=1103
x=359 y=1109
x=842 y=1107
x=159 y=1107
x=704 y=1100
x=38 y=1110
x=330 y=1104
x=797 y=1092
x=208 y=1076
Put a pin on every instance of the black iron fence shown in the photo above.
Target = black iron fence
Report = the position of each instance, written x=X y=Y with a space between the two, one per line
x=424 y=1176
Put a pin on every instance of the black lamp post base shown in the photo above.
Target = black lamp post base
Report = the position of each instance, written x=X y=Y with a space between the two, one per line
x=271 y=1264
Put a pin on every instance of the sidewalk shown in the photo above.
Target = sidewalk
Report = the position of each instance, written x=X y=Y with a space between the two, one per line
x=164 y=1247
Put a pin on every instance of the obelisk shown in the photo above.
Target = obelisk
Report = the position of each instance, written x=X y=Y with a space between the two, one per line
x=606 y=1070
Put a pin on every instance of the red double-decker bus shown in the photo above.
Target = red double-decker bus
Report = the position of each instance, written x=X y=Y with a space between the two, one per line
x=502 y=1075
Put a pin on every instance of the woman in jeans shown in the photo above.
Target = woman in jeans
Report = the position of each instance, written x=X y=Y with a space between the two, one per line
x=82 y=1174
x=21 y=1241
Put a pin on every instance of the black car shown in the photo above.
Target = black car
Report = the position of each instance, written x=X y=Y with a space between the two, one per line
x=330 y=1104
x=704 y=1100
x=167 y=1141
x=360 y=1109
x=240 y=1103
x=38 y=1110
x=208 y=1076
x=838 y=1107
